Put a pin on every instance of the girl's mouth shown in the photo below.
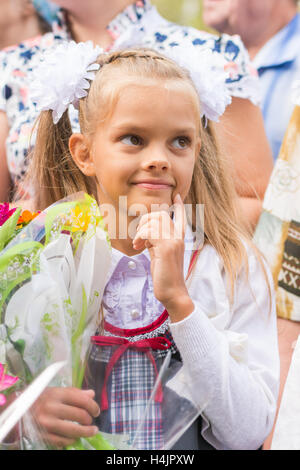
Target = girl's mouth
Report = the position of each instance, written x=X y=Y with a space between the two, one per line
x=154 y=184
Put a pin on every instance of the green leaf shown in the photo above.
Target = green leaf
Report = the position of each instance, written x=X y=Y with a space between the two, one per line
x=17 y=253
x=96 y=443
x=78 y=368
x=20 y=346
x=7 y=230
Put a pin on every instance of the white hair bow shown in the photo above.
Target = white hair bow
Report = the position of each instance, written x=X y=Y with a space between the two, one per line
x=207 y=71
x=64 y=76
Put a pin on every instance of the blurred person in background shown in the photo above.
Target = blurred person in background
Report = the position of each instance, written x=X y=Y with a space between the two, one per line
x=18 y=21
x=270 y=30
x=108 y=24
x=47 y=10
x=277 y=236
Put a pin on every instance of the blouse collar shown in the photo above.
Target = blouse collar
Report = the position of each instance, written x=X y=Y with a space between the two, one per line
x=144 y=256
x=131 y=15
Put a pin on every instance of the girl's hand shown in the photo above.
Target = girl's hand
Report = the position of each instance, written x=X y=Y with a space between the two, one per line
x=65 y=414
x=165 y=242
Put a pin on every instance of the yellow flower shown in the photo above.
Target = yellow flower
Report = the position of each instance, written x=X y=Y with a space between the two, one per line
x=80 y=220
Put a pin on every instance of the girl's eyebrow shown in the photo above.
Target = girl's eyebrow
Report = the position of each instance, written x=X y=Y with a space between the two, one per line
x=128 y=127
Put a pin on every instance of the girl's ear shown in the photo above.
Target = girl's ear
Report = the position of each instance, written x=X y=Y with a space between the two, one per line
x=80 y=151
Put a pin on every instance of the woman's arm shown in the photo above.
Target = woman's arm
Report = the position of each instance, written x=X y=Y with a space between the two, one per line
x=230 y=355
x=243 y=139
x=5 y=182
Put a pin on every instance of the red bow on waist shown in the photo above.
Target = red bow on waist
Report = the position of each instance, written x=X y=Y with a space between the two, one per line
x=144 y=345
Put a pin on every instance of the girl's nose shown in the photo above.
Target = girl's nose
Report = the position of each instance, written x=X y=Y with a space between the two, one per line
x=159 y=163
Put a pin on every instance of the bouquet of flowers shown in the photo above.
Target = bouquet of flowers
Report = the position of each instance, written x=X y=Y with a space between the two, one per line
x=51 y=287
x=53 y=271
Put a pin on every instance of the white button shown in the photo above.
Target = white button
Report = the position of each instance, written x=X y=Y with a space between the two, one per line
x=135 y=314
x=131 y=265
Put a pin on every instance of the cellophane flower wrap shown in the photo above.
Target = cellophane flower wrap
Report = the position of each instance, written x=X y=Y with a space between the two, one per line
x=52 y=276
x=146 y=398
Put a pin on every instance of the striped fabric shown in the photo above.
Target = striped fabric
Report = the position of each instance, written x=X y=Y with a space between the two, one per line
x=133 y=379
x=130 y=385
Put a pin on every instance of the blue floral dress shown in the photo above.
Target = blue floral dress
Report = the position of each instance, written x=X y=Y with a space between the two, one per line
x=18 y=62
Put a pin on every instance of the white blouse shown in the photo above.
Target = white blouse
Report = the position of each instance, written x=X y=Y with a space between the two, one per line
x=229 y=351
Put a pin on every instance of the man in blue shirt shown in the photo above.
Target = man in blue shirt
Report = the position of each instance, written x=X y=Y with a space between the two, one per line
x=270 y=30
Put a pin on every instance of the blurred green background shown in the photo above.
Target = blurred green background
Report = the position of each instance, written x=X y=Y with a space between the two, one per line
x=188 y=12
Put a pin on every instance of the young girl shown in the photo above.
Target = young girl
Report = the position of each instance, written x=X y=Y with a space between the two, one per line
x=142 y=137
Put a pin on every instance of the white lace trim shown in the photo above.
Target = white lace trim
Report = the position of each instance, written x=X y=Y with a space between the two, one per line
x=162 y=329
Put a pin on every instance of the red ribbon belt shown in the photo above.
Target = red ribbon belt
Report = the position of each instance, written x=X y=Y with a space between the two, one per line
x=144 y=345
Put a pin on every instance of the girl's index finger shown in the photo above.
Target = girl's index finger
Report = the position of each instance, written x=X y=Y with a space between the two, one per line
x=180 y=219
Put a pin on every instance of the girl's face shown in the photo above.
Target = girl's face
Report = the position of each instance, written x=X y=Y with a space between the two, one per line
x=146 y=149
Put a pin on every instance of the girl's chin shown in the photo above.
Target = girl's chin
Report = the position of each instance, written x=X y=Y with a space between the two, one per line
x=153 y=203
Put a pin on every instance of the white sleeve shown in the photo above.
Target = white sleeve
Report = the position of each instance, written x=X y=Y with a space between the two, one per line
x=243 y=81
x=232 y=359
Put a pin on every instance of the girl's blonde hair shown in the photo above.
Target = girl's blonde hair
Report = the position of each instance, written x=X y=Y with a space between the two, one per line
x=55 y=175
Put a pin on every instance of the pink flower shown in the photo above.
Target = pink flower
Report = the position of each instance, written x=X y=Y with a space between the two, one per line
x=6 y=381
x=5 y=213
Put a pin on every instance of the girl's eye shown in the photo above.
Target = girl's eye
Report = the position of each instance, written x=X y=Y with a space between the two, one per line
x=181 y=142
x=131 y=140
